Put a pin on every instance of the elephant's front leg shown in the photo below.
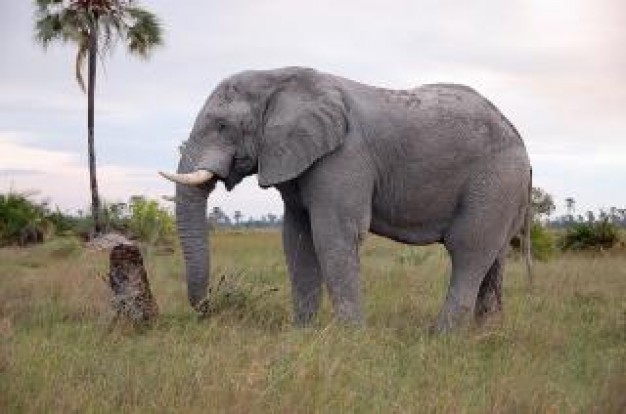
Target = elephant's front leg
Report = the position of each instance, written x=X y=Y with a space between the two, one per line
x=337 y=239
x=304 y=270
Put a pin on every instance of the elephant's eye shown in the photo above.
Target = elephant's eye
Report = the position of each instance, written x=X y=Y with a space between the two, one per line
x=221 y=126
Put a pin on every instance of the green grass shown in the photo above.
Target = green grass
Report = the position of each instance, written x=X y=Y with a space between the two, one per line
x=559 y=348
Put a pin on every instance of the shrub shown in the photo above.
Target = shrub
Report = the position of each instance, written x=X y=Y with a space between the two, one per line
x=542 y=241
x=600 y=234
x=150 y=222
x=61 y=222
x=21 y=221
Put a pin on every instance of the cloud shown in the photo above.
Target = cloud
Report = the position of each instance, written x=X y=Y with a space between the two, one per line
x=63 y=178
x=555 y=69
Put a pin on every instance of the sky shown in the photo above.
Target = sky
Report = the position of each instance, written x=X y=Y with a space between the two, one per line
x=555 y=68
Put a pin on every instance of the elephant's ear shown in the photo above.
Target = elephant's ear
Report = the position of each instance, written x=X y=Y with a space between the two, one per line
x=304 y=121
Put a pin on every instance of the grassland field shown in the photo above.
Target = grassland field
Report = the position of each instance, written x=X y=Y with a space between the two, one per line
x=558 y=347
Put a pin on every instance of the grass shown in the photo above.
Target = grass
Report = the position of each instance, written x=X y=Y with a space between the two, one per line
x=559 y=348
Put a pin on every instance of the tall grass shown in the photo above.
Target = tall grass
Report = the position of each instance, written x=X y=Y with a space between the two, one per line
x=557 y=348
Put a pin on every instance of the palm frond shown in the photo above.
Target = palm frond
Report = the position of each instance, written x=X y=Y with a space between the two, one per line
x=48 y=28
x=80 y=63
x=76 y=26
x=111 y=28
x=66 y=25
x=144 y=31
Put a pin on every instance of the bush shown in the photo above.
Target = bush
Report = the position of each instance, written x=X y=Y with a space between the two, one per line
x=21 y=220
x=542 y=241
x=149 y=222
x=62 y=223
x=600 y=234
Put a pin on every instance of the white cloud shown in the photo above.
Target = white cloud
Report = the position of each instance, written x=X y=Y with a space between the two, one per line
x=63 y=178
x=555 y=68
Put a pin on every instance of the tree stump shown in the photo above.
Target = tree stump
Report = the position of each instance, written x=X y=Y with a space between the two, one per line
x=132 y=299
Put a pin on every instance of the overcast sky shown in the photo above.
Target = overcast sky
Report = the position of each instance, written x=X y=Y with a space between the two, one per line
x=556 y=69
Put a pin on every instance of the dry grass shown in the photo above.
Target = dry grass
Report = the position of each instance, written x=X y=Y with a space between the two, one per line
x=559 y=348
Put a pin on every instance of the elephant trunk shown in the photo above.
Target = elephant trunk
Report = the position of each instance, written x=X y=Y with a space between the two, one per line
x=191 y=221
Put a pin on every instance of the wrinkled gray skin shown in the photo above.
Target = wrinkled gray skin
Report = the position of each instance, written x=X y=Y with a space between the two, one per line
x=434 y=164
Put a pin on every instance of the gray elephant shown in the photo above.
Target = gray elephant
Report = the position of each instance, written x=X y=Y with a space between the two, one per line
x=434 y=164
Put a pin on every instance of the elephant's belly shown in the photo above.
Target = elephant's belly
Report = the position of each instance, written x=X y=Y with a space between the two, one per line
x=415 y=212
x=417 y=234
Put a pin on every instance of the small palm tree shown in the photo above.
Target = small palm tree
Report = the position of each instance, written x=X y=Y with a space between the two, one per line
x=238 y=217
x=94 y=26
x=571 y=207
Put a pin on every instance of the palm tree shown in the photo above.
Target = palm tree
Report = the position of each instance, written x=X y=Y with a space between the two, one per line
x=94 y=26
x=571 y=207
x=238 y=217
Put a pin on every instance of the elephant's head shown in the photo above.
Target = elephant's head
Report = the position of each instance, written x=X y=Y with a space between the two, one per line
x=274 y=123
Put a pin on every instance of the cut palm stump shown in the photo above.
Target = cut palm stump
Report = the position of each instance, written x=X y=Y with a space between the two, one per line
x=132 y=298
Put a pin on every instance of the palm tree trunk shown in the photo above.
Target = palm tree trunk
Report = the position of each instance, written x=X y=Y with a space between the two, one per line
x=91 y=87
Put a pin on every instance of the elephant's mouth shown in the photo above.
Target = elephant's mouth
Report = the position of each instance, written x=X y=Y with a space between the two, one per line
x=243 y=163
x=242 y=167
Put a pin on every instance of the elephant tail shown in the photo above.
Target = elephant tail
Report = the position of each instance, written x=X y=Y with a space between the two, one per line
x=527 y=230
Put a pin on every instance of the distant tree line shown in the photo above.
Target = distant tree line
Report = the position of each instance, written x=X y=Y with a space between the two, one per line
x=218 y=219
x=571 y=231
x=544 y=207
x=24 y=221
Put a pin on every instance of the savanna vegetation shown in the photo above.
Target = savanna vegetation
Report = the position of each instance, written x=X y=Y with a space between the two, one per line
x=557 y=348
x=25 y=221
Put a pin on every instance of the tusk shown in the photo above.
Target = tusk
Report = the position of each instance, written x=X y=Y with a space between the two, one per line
x=194 y=178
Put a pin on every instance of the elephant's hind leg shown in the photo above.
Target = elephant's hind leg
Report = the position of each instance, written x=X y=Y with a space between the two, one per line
x=469 y=267
x=475 y=242
x=489 y=300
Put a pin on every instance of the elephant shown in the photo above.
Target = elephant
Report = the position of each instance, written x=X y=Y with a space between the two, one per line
x=435 y=164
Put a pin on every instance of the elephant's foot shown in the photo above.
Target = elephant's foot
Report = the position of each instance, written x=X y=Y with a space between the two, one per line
x=304 y=319
x=349 y=314
x=454 y=317
x=306 y=304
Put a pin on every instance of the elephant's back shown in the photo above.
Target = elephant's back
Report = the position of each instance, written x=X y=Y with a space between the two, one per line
x=445 y=103
x=450 y=124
